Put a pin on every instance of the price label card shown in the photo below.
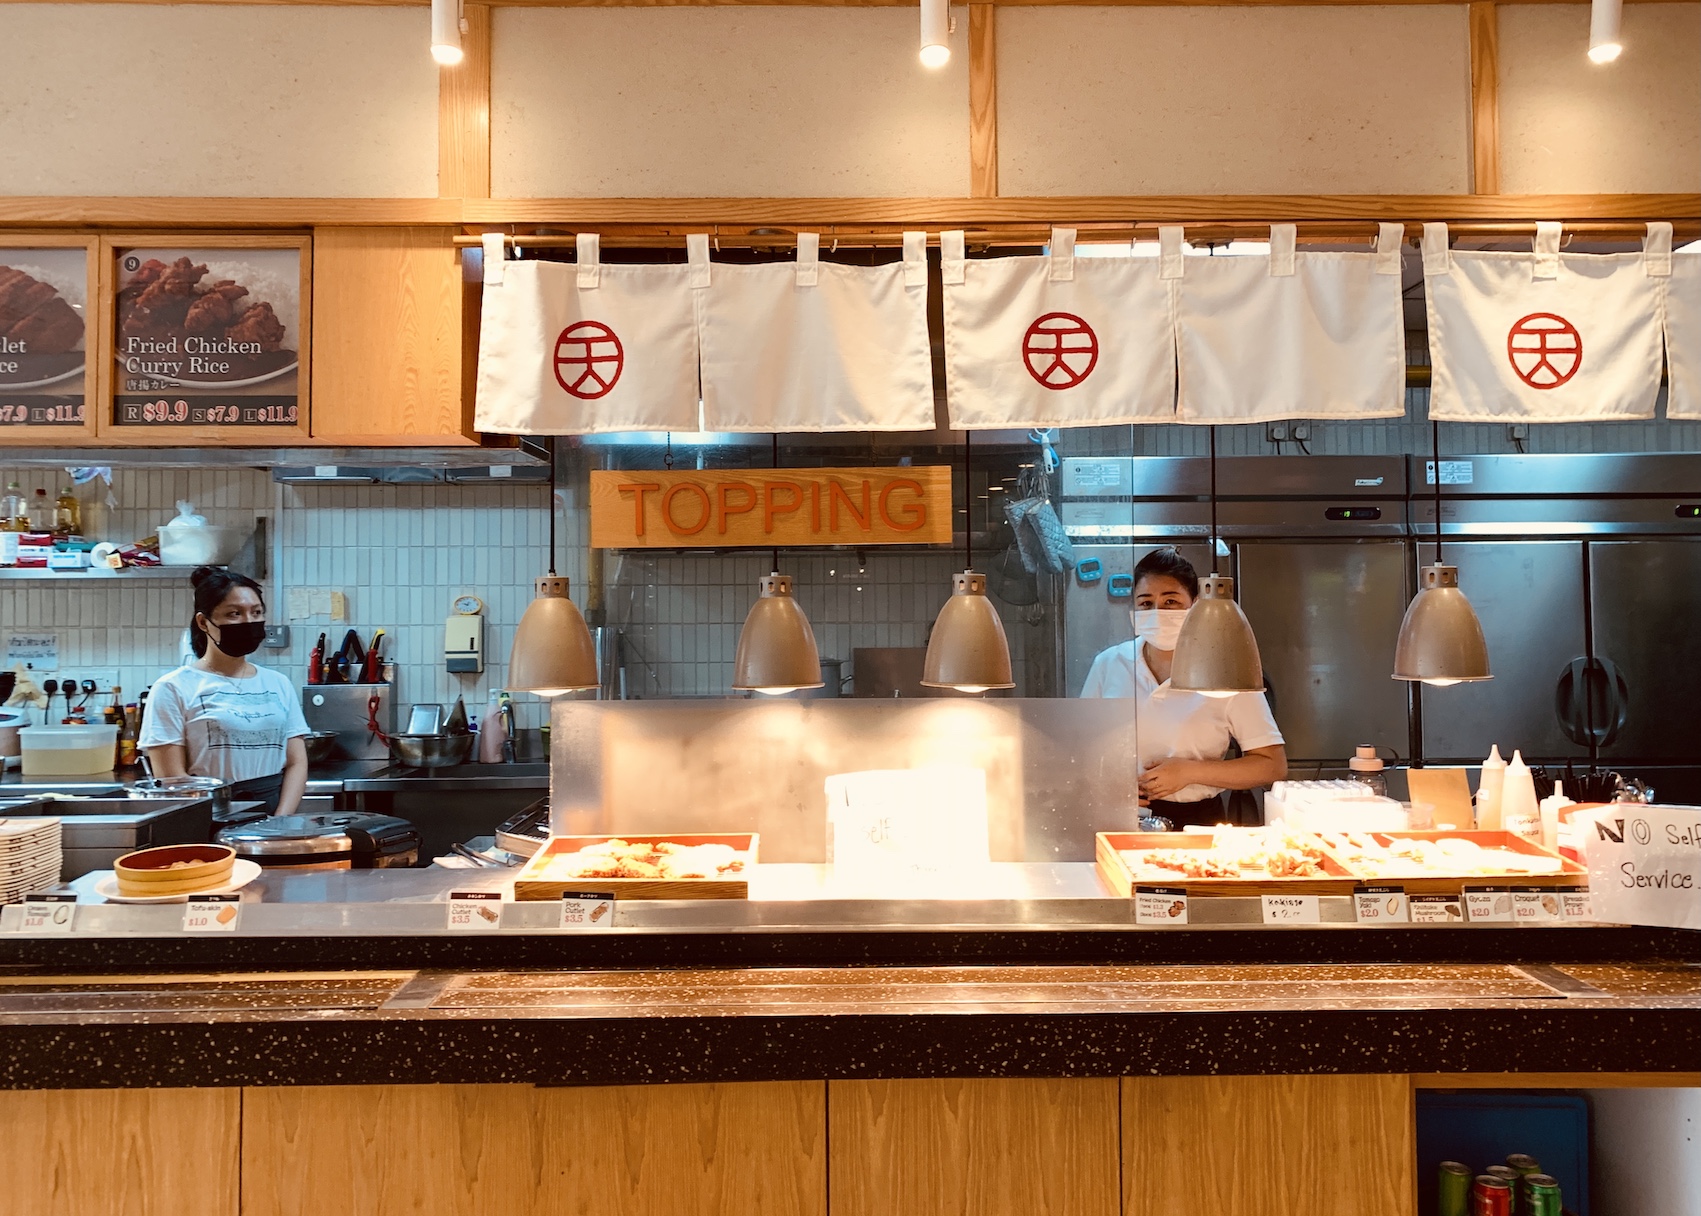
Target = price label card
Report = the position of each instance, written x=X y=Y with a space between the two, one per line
x=1379 y=905
x=1577 y=905
x=472 y=911
x=1488 y=904
x=1290 y=909
x=1160 y=905
x=1535 y=905
x=1437 y=910
x=587 y=909
x=49 y=913
x=212 y=914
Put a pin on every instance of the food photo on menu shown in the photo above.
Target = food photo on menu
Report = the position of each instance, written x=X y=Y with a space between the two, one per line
x=43 y=299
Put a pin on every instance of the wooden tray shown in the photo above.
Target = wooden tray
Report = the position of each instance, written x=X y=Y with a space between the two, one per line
x=531 y=884
x=1570 y=873
x=1336 y=879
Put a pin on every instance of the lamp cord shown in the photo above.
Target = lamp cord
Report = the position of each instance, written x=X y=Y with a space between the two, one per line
x=1211 y=432
x=968 y=508
x=552 y=506
x=776 y=464
x=1435 y=450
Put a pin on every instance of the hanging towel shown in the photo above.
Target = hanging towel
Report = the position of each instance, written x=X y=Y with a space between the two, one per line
x=1292 y=334
x=1543 y=336
x=818 y=346
x=1683 y=336
x=586 y=348
x=1057 y=340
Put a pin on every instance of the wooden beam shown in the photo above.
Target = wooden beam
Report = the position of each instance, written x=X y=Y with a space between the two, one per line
x=834 y=3
x=1485 y=96
x=699 y=214
x=463 y=113
x=983 y=100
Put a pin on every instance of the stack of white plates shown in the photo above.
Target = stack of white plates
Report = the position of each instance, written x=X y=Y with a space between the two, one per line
x=29 y=857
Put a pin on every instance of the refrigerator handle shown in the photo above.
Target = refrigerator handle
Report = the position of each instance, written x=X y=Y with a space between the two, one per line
x=1616 y=699
x=1586 y=683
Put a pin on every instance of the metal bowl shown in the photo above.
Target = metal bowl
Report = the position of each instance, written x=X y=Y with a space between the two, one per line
x=320 y=745
x=431 y=751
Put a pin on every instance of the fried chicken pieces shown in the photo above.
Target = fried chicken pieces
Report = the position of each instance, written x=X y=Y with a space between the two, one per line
x=34 y=313
x=163 y=301
x=663 y=860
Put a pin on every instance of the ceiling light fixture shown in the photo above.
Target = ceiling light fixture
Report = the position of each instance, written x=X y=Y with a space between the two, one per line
x=1441 y=640
x=1606 y=19
x=967 y=649
x=776 y=648
x=447 y=23
x=552 y=652
x=935 y=33
x=1216 y=653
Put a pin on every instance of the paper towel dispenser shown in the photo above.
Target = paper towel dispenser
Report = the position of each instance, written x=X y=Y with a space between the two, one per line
x=463 y=643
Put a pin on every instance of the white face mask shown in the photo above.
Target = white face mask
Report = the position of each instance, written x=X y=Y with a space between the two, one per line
x=1159 y=626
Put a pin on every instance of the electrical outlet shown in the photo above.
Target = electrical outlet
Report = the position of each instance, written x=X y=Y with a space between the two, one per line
x=277 y=637
x=1301 y=431
x=1276 y=432
x=1517 y=432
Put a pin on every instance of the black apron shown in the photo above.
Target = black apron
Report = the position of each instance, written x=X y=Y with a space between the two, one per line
x=1207 y=812
x=259 y=789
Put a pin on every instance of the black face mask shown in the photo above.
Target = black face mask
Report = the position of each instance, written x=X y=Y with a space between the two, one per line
x=239 y=638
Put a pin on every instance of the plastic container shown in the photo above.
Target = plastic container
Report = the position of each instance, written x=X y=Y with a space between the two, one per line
x=189 y=540
x=67 y=751
x=1366 y=768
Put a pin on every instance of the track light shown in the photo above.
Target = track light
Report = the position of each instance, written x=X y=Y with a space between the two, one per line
x=446 y=26
x=1606 y=18
x=935 y=34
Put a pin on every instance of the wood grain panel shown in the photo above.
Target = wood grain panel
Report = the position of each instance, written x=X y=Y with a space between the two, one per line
x=1485 y=97
x=119 y=1152
x=511 y=1150
x=983 y=100
x=1277 y=1146
x=463 y=113
x=698 y=213
x=387 y=323
x=974 y=1147
x=95 y=321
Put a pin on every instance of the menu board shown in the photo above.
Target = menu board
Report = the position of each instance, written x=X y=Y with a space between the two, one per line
x=43 y=336
x=208 y=337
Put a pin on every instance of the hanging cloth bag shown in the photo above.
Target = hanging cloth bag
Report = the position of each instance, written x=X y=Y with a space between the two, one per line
x=1543 y=336
x=587 y=348
x=818 y=346
x=1683 y=334
x=1292 y=334
x=1058 y=340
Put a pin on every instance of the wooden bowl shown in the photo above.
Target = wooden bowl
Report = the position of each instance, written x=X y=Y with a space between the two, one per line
x=174 y=869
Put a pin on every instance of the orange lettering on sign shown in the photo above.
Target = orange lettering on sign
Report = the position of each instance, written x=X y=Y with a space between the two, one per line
x=725 y=492
x=914 y=514
x=638 y=489
x=770 y=501
x=815 y=506
x=836 y=494
x=674 y=491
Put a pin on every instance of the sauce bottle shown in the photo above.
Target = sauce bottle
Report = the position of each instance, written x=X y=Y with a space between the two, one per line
x=67 y=515
x=1489 y=790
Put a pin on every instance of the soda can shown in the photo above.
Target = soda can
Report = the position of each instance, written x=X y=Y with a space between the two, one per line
x=1491 y=1196
x=1453 y=1191
x=1541 y=1196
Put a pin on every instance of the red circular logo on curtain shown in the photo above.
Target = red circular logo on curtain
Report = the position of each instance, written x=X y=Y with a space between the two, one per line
x=1060 y=350
x=1545 y=349
x=588 y=360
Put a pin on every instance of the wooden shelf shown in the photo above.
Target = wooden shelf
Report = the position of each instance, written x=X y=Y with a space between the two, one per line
x=129 y=573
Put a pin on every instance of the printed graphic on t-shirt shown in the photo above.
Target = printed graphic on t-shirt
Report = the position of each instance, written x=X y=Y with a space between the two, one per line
x=241 y=721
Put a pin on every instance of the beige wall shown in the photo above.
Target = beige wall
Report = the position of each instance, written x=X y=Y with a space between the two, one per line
x=688 y=102
x=1568 y=125
x=1140 y=100
x=145 y=99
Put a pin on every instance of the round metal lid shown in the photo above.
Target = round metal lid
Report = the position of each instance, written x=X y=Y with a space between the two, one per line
x=293 y=835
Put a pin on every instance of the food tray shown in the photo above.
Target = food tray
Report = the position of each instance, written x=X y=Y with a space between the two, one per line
x=1336 y=879
x=532 y=885
x=1570 y=873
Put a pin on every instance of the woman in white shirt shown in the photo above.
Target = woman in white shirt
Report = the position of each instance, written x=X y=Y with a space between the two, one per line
x=221 y=716
x=1183 y=736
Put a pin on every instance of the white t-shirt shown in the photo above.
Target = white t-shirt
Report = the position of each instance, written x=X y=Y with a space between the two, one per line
x=1170 y=724
x=233 y=729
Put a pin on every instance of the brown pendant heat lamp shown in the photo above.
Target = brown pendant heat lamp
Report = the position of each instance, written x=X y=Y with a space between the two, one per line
x=552 y=652
x=967 y=650
x=776 y=647
x=1216 y=653
x=1441 y=641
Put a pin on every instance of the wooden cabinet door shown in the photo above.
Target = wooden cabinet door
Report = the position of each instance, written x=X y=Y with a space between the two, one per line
x=387 y=329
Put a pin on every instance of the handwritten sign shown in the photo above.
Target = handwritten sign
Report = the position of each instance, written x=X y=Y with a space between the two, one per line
x=36 y=651
x=1645 y=865
x=764 y=508
x=1290 y=909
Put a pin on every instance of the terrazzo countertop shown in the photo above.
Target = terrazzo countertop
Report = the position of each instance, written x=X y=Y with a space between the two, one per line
x=749 y=1024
